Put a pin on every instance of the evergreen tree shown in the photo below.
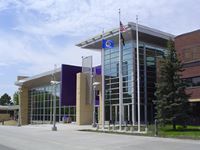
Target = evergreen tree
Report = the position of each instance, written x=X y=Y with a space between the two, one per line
x=16 y=98
x=172 y=101
x=5 y=100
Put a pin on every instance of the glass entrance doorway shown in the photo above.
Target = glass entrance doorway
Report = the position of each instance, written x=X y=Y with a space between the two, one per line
x=127 y=113
x=114 y=113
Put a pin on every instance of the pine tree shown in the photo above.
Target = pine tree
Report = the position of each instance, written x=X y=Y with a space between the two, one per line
x=16 y=98
x=172 y=100
x=5 y=99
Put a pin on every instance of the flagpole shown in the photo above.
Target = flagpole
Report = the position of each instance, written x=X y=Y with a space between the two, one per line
x=138 y=74
x=120 y=78
x=102 y=83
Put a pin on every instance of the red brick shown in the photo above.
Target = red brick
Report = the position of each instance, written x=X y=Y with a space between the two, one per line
x=182 y=42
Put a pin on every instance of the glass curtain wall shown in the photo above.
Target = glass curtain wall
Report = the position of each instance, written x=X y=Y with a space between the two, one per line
x=148 y=77
x=111 y=70
x=41 y=105
x=148 y=63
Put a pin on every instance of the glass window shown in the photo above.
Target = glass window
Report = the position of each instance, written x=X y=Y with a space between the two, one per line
x=193 y=81
x=40 y=100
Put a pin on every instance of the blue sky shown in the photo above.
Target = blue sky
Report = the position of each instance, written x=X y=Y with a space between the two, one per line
x=36 y=34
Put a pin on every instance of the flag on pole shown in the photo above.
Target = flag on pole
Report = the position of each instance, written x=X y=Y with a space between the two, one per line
x=120 y=76
x=138 y=73
x=122 y=27
x=122 y=40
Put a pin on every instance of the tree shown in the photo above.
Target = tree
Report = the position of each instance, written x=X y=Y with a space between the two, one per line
x=5 y=100
x=16 y=98
x=171 y=99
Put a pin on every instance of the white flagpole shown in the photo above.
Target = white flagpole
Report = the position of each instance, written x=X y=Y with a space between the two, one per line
x=138 y=74
x=102 y=84
x=120 y=79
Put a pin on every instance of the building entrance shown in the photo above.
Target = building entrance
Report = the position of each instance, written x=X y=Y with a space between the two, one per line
x=127 y=113
x=114 y=113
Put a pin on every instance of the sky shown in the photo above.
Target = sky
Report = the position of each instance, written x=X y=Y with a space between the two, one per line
x=36 y=34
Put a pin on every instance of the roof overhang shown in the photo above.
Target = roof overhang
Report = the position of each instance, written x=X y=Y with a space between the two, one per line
x=146 y=34
x=14 y=107
x=40 y=79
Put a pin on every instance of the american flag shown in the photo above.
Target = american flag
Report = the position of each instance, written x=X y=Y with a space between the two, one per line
x=122 y=39
x=122 y=27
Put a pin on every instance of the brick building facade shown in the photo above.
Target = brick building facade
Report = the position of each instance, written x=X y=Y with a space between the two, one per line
x=188 y=49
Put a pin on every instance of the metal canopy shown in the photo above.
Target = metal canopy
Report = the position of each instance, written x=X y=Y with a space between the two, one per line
x=146 y=34
x=38 y=80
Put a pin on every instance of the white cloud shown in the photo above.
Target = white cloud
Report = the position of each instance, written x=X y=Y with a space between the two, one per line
x=29 y=45
x=7 y=88
x=22 y=51
x=3 y=64
x=80 y=17
x=4 y=4
x=20 y=57
x=7 y=85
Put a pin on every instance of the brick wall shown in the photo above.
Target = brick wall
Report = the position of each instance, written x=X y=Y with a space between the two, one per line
x=183 y=44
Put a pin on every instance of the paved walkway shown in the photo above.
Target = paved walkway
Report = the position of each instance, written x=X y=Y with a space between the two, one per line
x=40 y=137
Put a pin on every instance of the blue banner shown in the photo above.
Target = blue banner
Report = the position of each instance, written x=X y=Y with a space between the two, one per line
x=107 y=43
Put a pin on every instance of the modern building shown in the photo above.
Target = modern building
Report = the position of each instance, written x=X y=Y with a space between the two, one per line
x=152 y=46
x=37 y=94
x=90 y=94
x=188 y=49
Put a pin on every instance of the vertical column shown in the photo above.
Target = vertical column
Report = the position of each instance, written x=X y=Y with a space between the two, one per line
x=120 y=80
x=31 y=101
x=102 y=102
x=59 y=102
x=23 y=102
x=94 y=101
x=51 y=104
x=100 y=110
x=83 y=109
x=54 y=128
x=133 y=86
x=138 y=73
x=44 y=105
x=145 y=86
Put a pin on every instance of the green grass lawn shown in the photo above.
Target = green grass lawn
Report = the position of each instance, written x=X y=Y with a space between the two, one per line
x=191 y=132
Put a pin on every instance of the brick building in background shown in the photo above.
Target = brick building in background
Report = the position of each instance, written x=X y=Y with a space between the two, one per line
x=188 y=49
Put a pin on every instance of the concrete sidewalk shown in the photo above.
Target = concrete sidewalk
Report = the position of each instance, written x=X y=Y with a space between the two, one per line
x=40 y=137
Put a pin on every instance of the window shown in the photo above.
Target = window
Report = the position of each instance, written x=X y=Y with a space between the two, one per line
x=193 y=81
x=192 y=54
x=41 y=105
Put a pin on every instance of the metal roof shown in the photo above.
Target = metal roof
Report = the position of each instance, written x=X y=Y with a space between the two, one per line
x=188 y=33
x=152 y=31
x=42 y=75
x=98 y=37
x=92 y=42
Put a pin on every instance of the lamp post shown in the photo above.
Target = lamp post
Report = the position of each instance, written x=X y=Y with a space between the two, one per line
x=54 y=83
x=95 y=84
